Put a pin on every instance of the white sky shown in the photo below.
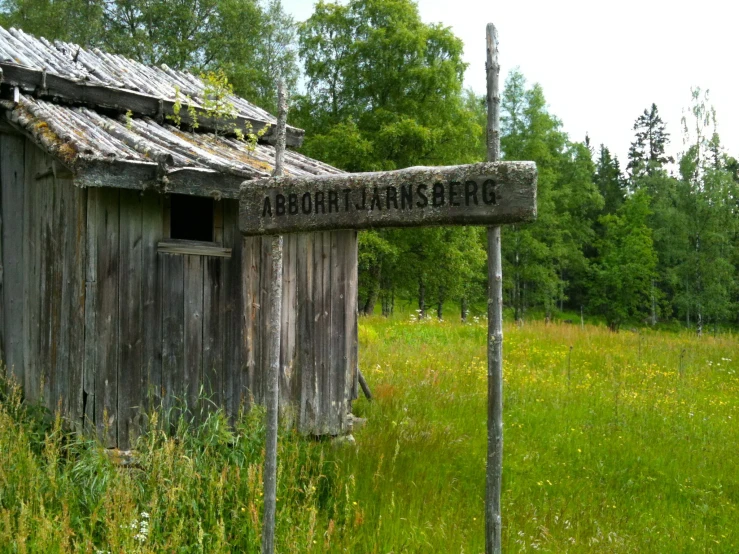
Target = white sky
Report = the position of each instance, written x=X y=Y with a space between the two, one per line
x=594 y=58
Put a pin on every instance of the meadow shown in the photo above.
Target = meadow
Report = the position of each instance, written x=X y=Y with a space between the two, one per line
x=614 y=442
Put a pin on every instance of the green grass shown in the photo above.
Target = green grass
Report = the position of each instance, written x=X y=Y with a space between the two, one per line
x=621 y=442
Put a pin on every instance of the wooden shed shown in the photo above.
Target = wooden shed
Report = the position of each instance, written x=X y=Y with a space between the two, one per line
x=124 y=277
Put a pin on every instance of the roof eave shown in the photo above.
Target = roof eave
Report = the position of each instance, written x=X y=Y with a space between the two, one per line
x=43 y=84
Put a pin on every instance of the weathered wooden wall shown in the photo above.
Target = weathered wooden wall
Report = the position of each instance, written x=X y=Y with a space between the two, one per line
x=95 y=320
x=167 y=326
x=318 y=376
x=12 y=170
x=43 y=254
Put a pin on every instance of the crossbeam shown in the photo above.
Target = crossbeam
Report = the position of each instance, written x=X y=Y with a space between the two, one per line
x=475 y=194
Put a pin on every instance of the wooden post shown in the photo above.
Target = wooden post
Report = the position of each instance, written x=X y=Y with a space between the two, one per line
x=493 y=525
x=274 y=330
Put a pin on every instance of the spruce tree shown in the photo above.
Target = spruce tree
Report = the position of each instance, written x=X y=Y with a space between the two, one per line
x=647 y=153
x=609 y=180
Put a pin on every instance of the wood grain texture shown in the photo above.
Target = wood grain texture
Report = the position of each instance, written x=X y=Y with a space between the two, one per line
x=91 y=338
x=179 y=246
x=31 y=264
x=494 y=469
x=213 y=308
x=477 y=194
x=49 y=301
x=143 y=176
x=250 y=265
x=173 y=332
x=131 y=328
x=107 y=309
x=318 y=359
x=235 y=372
x=352 y=311
x=73 y=295
x=12 y=149
x=151 y=297
x=47 y=324
x=193 y=345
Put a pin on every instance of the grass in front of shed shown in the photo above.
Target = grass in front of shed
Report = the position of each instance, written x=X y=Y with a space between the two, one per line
x=613 y=443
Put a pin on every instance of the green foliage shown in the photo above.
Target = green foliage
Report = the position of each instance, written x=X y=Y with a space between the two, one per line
x=78 y=21
x=541 y=257
x=217 y=100
x=384 y=91
x=623 y=275
x=197 y=489
x=647 y=152
x=609 y=180
x=640 y=425
x=375 y=70
x=704 y=221
x=608 y=420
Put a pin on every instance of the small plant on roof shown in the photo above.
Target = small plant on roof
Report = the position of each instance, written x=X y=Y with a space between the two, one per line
x=216 y=99
x=218 y=108
x=192 y=111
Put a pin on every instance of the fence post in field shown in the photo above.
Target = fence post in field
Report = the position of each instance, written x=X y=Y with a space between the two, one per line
x=493 y=523
x=274 y=330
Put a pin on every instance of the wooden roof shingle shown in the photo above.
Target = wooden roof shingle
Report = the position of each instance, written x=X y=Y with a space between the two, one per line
x=71 y=101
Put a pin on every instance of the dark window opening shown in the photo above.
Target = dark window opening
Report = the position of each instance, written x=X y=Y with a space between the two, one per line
x=191 y=218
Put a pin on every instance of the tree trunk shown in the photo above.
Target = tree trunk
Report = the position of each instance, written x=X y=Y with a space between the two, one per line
x=440 y=307
x=687 y=317
x=374 y=289
x=562 y=292
x=385 y=304
x=523 y=301
x=654 y=307
x=421 y=299
x=699 y=327
x=463 y=303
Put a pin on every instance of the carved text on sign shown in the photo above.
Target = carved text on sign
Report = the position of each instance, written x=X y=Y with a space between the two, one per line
x=403 y=197
x=476 y=194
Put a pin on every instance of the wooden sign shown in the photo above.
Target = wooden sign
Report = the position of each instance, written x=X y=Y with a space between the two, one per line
x=476 y=194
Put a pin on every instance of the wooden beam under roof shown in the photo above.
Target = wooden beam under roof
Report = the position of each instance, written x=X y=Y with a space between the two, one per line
x=128 y=174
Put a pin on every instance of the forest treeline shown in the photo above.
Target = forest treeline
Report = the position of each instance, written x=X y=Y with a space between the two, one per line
x=644 y=240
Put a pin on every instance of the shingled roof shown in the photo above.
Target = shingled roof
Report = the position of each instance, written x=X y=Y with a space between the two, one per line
x=72 y=102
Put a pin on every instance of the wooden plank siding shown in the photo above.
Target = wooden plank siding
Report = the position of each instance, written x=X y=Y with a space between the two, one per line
x=12 y=273
x=43 y=263
x=97 y=322
x=151 y=300
x=234 y=347
x=318 y=359
x=131 y=391
x=106 y=337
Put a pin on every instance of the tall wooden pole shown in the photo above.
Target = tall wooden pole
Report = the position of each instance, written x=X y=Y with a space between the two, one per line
x=274 y=329
x=493 y=524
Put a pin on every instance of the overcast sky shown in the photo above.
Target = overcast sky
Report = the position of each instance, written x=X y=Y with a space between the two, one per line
x=602 y=63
